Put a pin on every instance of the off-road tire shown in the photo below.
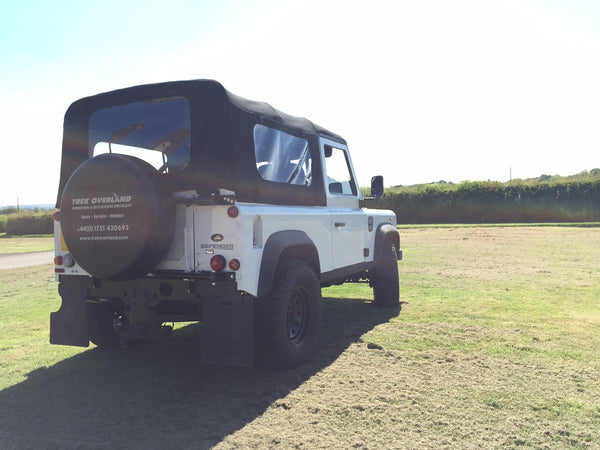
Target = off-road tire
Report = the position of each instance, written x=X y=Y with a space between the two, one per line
x=100 y=318
x=384 y=279
x=288 y=321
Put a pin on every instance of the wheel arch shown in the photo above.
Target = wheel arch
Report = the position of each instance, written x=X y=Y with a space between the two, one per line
x=285 y=244
x=385 y=232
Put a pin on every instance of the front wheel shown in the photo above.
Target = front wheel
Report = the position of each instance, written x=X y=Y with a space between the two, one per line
x=384 y=279
x=288 y=321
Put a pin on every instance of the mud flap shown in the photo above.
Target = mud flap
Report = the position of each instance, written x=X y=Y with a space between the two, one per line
x=68 y=325
x=228 y=330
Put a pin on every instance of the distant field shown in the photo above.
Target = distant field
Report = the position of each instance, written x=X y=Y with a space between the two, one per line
x=25 y=244
x=497 y=345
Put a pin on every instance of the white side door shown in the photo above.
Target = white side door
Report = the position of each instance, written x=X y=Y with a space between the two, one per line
x=348 y=222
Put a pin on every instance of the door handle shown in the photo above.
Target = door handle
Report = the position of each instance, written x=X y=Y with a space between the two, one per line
x=340 y=224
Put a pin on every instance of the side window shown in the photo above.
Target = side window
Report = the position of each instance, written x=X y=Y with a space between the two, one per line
x=281 y=157
x=339 y=176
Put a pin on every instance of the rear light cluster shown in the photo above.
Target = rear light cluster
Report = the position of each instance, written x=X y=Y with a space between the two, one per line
x=64 y=260
x=218 y=263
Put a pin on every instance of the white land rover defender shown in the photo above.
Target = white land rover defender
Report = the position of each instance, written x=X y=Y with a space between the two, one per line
x=181 y=201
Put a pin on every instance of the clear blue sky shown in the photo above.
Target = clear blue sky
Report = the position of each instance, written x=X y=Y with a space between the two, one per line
x=422 y=90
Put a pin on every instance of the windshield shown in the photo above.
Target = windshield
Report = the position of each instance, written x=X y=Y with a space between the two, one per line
x=157 y=131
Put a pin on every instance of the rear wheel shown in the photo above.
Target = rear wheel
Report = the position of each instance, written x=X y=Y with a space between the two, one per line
x=288 y=321
x=385 y=280
x=101 y=330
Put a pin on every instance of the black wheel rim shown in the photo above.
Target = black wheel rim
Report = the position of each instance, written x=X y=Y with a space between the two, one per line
x=297 y=316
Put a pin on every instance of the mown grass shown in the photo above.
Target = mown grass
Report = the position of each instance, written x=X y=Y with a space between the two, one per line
x=497 y=345
x=25 y=244
x=26 y=298
x=504 y=322
x=501 y=225
x=524 y=294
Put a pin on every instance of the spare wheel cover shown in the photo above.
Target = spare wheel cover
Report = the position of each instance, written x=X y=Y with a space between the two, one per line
x=115 y=220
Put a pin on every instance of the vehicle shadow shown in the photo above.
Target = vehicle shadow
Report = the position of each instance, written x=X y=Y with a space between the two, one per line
x=160 y=395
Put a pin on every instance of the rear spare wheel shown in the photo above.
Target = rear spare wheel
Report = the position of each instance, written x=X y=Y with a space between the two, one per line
x=116 y=220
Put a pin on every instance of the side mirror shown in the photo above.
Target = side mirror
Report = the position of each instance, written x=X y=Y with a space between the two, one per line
x=377 y=186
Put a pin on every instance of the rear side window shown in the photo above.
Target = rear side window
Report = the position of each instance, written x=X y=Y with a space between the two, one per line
x=281 y=157
x=157 y=131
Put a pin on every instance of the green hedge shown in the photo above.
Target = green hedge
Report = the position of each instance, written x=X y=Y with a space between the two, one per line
x=494 y=202
x=20 y=224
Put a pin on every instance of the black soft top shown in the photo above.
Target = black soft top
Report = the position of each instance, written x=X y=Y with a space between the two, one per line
x=222 y=143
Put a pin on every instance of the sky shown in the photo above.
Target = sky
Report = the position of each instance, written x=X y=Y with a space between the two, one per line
x=422 y=90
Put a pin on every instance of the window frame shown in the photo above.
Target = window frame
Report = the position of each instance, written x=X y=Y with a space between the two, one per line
x=328 y=148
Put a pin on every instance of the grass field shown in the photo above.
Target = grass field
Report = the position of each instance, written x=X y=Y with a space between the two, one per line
x=497 y=345
x=25 y=244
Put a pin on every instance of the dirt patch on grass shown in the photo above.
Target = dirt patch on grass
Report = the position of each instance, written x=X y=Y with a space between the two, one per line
x=16 y=260
x=383 y=399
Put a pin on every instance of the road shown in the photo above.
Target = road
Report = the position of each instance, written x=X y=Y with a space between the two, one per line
x=16 y=260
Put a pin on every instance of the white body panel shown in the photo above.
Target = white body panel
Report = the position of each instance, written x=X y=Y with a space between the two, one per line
x=245 y=236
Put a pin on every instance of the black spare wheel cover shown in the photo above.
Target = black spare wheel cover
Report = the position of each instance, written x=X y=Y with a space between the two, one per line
x=115 y=219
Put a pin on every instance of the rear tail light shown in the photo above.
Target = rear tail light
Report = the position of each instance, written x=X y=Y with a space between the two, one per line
x=56 y=216
x=217 y=263
x=58 y=260
x=233 y=212
x=234 y=264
